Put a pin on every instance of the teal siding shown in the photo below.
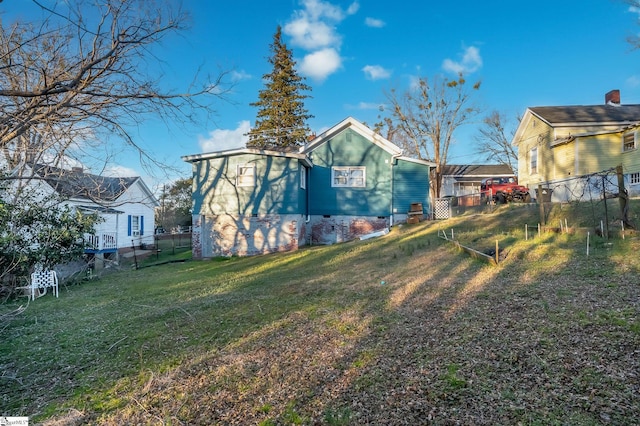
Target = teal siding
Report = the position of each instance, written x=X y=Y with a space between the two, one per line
x=303 y=194
x=349 y=148
x=276 y=189
x=411 y=185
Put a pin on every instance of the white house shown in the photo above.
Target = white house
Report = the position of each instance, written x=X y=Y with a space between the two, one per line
x=125 y=204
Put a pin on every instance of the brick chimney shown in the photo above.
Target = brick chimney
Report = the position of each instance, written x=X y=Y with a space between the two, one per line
x=612 y=97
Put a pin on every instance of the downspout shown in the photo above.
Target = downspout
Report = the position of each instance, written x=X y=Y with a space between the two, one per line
x=308 y=190
x=394 y=157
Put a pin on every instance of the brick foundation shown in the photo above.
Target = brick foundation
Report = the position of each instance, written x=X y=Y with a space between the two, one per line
x=336 y=229
x=225 y=235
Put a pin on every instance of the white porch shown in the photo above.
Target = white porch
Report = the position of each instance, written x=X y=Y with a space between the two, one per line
x=101 y=243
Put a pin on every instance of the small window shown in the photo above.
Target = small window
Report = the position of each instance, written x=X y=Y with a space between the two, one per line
x=629 y=141
x=246 y=175
x=303 y=177
x=533 y=161
x=634 y=178
x=135 y=225
x=348 y=177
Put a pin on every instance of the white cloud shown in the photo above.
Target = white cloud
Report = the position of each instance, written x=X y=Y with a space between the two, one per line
x=414 y=82
x=240 y=75
x=318 y=9
x=367 y=106
x=452 y=66
x=470 y=62
x=633 y=81
x=374 y=23
x=119 y=171
x=314 y=28
x=353 y=8
x=311 y=34
x=320 y=64
x=223 y=139
x=376 y=72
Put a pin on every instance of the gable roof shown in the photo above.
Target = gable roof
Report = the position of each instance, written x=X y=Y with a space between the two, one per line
x=477 y=170
x=365 y=131
x=588 y=114
x=613 y=118
x=358 y=127
x=77 y=184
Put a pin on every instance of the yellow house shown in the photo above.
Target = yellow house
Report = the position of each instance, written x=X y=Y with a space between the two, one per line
x=573 y=149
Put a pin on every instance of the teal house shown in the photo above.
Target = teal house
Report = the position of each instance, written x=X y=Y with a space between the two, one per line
x=345 y=183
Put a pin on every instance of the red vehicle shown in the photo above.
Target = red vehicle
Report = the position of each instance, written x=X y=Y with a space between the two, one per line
x=502 y=190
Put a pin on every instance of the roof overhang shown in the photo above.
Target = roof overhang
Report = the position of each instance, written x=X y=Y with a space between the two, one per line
x=417 y=161
x=243 y=151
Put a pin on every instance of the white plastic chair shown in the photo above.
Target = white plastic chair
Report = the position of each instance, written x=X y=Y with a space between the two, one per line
x=42 y=280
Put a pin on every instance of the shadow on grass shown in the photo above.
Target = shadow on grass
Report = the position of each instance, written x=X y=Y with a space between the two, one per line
x=399 y=329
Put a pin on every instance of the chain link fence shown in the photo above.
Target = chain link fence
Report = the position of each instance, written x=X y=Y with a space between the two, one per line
x=605 y=194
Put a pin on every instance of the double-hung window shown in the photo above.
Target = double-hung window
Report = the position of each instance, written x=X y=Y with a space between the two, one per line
x=533 y=161
x=246 y=175
x=629 y=141
x=348 y=177
x=135 y=225
x=634 y=178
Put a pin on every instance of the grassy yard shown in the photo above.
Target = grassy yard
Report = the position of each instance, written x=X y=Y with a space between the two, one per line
x=403 y=329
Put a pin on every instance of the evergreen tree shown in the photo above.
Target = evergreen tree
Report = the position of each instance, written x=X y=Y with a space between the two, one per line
x=281 y=119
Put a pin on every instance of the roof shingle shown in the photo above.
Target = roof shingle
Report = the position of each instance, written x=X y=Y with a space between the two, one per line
x=78 y=184
x=588 y=114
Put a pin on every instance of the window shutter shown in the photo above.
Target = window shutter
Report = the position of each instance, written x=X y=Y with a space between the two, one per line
x=141 y=225
x=129 y=225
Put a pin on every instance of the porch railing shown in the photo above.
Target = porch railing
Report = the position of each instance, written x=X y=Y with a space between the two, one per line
x=101 y=241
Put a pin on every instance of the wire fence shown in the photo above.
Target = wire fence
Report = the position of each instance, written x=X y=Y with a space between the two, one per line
x=603 y=196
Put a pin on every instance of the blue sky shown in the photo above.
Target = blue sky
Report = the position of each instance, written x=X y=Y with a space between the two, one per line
x=564 y=52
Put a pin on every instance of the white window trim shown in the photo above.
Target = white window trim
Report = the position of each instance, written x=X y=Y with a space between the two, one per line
x=135 y=223
x=624 y=141
x=303 y=177
x=246 y=179
x=533 y=152
x=634 y=178
x=351 y=180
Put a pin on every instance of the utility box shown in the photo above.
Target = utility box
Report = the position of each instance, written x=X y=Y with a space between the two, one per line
x=544 y=195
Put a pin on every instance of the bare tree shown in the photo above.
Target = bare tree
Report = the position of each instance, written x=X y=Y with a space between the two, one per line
x=493 y=143
x=426 y=117
x=81 y=76
x=634 y=5
x=175 y=204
